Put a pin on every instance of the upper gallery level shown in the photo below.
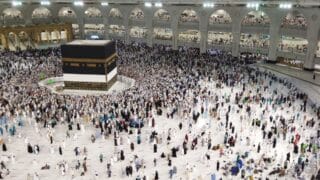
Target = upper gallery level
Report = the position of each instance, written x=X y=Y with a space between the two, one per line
x=177 y=2
x=275 y=28
x=186 y=12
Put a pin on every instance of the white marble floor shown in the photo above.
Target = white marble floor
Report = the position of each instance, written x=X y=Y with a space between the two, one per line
x=121 y=84
x=301 y=79
x=25 y=163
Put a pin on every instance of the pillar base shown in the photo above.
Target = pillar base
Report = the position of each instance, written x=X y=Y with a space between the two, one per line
x=235 y=58
x=175 y=48
x=308 y=69
x=149 y=44
x=271 y=61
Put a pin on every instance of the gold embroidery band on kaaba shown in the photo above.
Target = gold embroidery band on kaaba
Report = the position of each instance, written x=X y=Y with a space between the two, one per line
x=75 y=64
x=88 y=60
x=91 y=65
x=110 y=61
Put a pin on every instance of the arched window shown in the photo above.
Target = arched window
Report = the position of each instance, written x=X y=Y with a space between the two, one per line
x=163 y=33
x=67 y=12
x=294 y=19
x=41 y=12
x=162 y=14
x=220 y=17
x=90 y=29
x=189 y=15
x=256 y=18
x=12 y=13
x=93 y=12
x=138 y=32
x=137 y=14
x=220 y=38
x=189 y=36
x=118 y=30
x=115 y=13
x=254 y=40
x=293 y=44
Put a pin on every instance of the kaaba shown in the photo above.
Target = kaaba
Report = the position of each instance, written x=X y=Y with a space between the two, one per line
x=89 y=64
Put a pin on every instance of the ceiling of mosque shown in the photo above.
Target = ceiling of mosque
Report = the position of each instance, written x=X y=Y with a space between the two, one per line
x=235 y=2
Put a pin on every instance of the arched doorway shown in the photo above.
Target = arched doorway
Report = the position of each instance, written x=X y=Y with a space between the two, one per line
x=138 y=32
x=254 y=40
x=219 y=38
x=64 y=35
x=293 y=51
x=13 y=41
x=317 y=61
x=116 y=31
x=294 y=20
x=162 y=33
x=189 y=36
x=24 y=40
x=55 y=36
x=94 y=31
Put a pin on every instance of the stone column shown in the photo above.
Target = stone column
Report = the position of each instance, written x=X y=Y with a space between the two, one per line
x=37 y=37
x=6 y=45
x=3 y=41
x=80 y=20
x=127 y=28
x=27 y=14
x=81 y=28
x=54 y=9
x=6 y=36
x=48 y=35
x=17 y=41
x=204 y=32
x=274 y=39
x=236 y=30
x=312 y=37
x=149 y=25
x=105 y=23
x=174 y=27
x=69 y=34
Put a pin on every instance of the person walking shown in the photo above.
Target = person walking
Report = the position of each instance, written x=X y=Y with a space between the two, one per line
x=60 y=150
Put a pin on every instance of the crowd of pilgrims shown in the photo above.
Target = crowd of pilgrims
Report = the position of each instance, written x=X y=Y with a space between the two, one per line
x=171 y=86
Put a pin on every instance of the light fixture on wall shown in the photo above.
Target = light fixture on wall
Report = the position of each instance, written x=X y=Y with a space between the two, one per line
x=78 y=3
x=285 y=6
x=104 y=4
x=208 y=5
x=45 y=3
x=147 y=4
x=158 y=4
x=94 y=37
x=253 y=5
x=16 y=3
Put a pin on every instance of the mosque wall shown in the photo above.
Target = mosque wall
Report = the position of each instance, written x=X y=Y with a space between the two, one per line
x=184 y=25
